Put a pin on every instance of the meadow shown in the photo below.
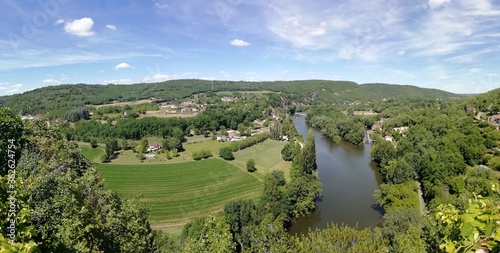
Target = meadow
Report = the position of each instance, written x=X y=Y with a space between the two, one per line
x=177 y=193
x=267 y=157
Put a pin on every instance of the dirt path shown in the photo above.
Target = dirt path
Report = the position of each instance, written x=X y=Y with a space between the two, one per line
x=421 y=199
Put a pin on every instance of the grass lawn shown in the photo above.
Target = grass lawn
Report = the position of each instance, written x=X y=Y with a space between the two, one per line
x=93 y=154
x=267 y=156
x=177 y=193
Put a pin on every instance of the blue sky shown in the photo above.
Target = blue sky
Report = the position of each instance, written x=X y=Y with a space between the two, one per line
x=452 y=45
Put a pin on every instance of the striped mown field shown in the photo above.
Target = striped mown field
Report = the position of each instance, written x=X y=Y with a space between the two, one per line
x=178 y=193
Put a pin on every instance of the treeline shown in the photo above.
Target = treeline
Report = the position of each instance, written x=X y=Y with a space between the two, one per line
x=215 y=118
x=248 y=142
x=125 y=108
x=55 y=101
x=337 y=125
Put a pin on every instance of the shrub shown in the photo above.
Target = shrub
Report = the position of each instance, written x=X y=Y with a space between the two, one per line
x=226 y=153
x=251 y=165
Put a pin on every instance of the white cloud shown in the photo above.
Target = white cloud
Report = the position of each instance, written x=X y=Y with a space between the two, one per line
x=402 y=52
x=475 y=70
x=111 y=27
x=7 y=88
x=122 y=65
x=159 y=78
x=80 y=27
x=225 y=74
x=51 y=81
x=433 y=4
x=118 y=81
x=59 y=21
x=239 y=43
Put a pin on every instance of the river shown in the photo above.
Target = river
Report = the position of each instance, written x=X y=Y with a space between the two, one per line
x=349 y=179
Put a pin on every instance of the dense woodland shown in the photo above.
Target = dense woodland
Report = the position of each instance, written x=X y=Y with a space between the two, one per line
x=448 y=152
x=56 y=101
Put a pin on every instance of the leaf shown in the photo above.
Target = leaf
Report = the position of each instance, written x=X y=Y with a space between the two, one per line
x=488 y=231
x=467 y=230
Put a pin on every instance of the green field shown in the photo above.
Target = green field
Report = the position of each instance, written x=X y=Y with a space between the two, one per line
x=93 y=154
x=267 y=156
x=177 y=193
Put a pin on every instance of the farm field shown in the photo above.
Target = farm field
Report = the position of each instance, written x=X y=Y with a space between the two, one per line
x=163 y=114
x=93 y=154
x=267 y=156
x=177 y=193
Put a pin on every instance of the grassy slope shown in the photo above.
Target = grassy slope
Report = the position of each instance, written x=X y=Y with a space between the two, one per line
x=177 y=193
x=267 y=156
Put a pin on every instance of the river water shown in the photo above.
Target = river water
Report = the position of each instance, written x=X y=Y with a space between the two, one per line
x=349 y=179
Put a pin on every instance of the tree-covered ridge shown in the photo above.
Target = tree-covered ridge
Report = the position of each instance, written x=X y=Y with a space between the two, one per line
x=382 y=90
x=57 y=100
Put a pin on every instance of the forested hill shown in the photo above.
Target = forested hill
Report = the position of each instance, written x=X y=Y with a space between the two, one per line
x=59 y=99
x=383 y=90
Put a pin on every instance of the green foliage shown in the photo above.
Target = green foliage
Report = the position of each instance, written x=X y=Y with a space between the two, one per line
x=475 y=229
x=144 y=145
x=343 y=239
x=398 y=196
x=227 y=154
x=202 y=154
x=494 y=163
x=398 y=172
x=77 y=114
x=302 y=193
x=214 y=236
x=287 y=152
x=172 y=143
x=248 y=142
x=270 y=236
x=93 y=143
x=240 y=214
x=251 y=165
x=308 y=164
x=60 y=181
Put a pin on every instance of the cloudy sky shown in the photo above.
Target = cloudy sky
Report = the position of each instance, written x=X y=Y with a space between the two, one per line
x=447 y=44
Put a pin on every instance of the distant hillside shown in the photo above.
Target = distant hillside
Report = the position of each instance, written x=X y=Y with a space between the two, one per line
x=487 y=102
x=56 y=100
x=404 y=91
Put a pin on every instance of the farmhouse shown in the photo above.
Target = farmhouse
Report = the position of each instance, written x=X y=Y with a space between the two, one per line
x=389 y=138
x=401 y=130
x=153 y=146
x=495 y=119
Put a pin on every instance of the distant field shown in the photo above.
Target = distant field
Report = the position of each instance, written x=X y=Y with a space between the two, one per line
x=163 y=114
x=177 y=193
x=267 y=156
x=93 y=154
x=259 y=92
x=125 y=103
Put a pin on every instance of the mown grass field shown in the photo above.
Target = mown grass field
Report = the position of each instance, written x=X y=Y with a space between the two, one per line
x=267 y=156
x=177 y=193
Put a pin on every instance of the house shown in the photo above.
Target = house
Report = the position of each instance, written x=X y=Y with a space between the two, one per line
x=389 y=138
x=259 y=122
x=187 y=103
x=495 y=119
x=376 y=126
x=185 y=110
x=471 y=109
x=153 y=146
x=228 y=99
x=401 y=130
x=232 y=133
